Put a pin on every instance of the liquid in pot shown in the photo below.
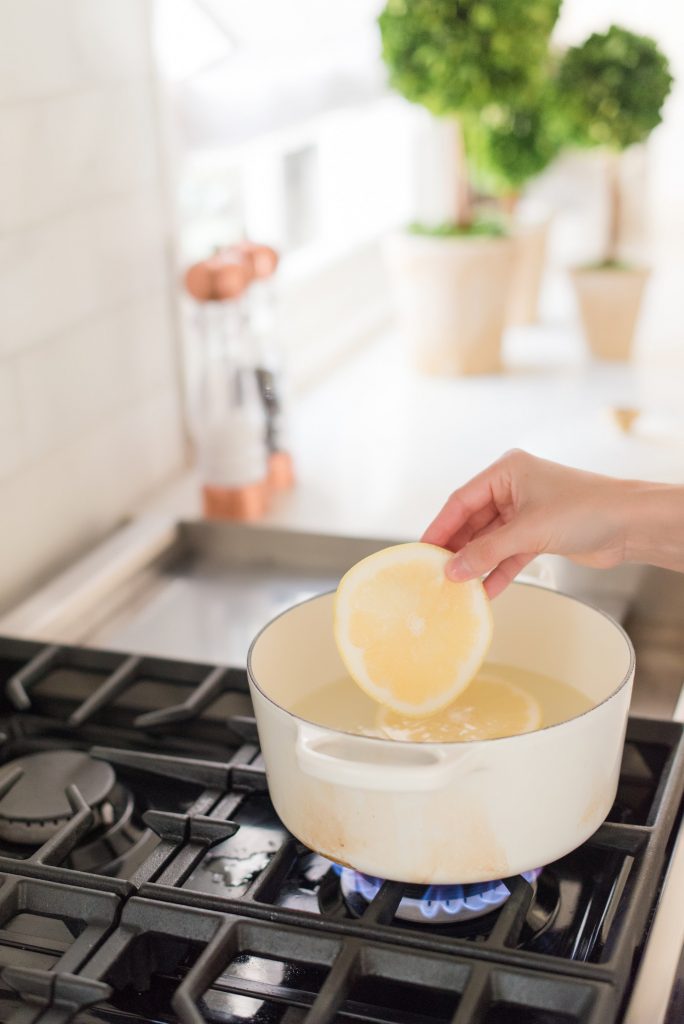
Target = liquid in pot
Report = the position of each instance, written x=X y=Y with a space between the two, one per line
x=502 y=700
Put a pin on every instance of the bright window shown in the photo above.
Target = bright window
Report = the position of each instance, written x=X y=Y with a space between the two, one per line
x=282 y=123
x=282 y=129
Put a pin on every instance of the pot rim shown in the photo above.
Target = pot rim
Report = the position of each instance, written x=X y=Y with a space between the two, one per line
x=453 y=743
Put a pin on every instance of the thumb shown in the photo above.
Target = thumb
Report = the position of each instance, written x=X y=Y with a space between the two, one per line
x=486 y=552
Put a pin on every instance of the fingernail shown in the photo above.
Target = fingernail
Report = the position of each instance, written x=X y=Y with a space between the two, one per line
x=458 y=568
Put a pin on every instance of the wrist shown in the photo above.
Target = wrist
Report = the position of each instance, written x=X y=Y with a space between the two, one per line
x=654 y=518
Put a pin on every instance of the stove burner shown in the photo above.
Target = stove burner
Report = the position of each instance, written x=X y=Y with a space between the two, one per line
x=434 y=904
x=37 y=806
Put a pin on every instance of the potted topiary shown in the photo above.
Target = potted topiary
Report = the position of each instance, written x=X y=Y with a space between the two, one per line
x=611 y=92
x=511 y=145
x=459 y=59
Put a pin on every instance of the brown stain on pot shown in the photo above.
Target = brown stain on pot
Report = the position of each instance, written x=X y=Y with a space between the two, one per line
x=361 y=830
x=468 y=849
x=594 y=809
x=319 y=824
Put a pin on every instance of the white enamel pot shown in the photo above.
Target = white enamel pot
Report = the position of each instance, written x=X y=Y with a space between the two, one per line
x=439 y=813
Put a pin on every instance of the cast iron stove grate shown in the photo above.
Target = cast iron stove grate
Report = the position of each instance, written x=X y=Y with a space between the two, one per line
x=215 y=913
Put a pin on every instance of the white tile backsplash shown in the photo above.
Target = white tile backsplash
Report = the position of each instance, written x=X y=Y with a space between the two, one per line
x=63 y=152
x=90 y=417
x=55 y=46
x=130 y=246
x=12 y=436
x=71 y=382
x=56 y=274
x=57 y=508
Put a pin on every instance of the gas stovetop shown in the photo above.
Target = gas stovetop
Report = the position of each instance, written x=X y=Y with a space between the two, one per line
x=144 y=875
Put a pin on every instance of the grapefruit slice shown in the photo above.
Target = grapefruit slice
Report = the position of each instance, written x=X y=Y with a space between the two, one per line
x=409 y=637
x=489 y=708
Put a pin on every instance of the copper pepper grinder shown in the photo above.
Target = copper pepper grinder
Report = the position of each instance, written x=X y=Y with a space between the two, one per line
x=227 y=413
x=263 y=263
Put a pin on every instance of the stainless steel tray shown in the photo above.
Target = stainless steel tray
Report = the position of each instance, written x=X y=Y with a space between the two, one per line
x=201 y=590
x=202 y=593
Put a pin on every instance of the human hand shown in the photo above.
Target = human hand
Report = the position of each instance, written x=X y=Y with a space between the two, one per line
x=522 y=506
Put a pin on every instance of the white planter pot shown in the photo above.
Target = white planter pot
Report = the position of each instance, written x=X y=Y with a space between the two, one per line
x=530 y=242
x=609 y=304
x=451 y=296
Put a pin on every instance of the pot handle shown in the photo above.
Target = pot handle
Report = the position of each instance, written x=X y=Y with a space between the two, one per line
x=541 y=572
x=403 y=768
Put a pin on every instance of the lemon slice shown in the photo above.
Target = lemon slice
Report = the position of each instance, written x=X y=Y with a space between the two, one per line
x=411 y=638
x=488 y=709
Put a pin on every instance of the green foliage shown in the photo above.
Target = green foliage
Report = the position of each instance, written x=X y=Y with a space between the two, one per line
x=612 y=89
x=458 y=56
x=508 y=145
x=480 y=226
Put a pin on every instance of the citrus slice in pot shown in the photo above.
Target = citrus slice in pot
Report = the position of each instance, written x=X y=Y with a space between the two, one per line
x=411 y=638
x=489 y=708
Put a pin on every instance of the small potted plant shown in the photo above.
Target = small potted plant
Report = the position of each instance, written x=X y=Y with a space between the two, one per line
x=511 y=145
x=611 y=92
x=458 y=60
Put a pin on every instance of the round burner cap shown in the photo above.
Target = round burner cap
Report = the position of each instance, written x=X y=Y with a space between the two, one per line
x=37 y=803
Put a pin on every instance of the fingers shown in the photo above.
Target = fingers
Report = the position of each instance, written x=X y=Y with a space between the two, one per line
x=505 y=573
x=489 y=550
x=452 y=517
x=494 y=524
x=478 y=522
x=459 y=507
x=475 y=522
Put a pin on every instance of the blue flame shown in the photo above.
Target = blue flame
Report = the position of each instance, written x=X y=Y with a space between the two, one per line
x=437 y=900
